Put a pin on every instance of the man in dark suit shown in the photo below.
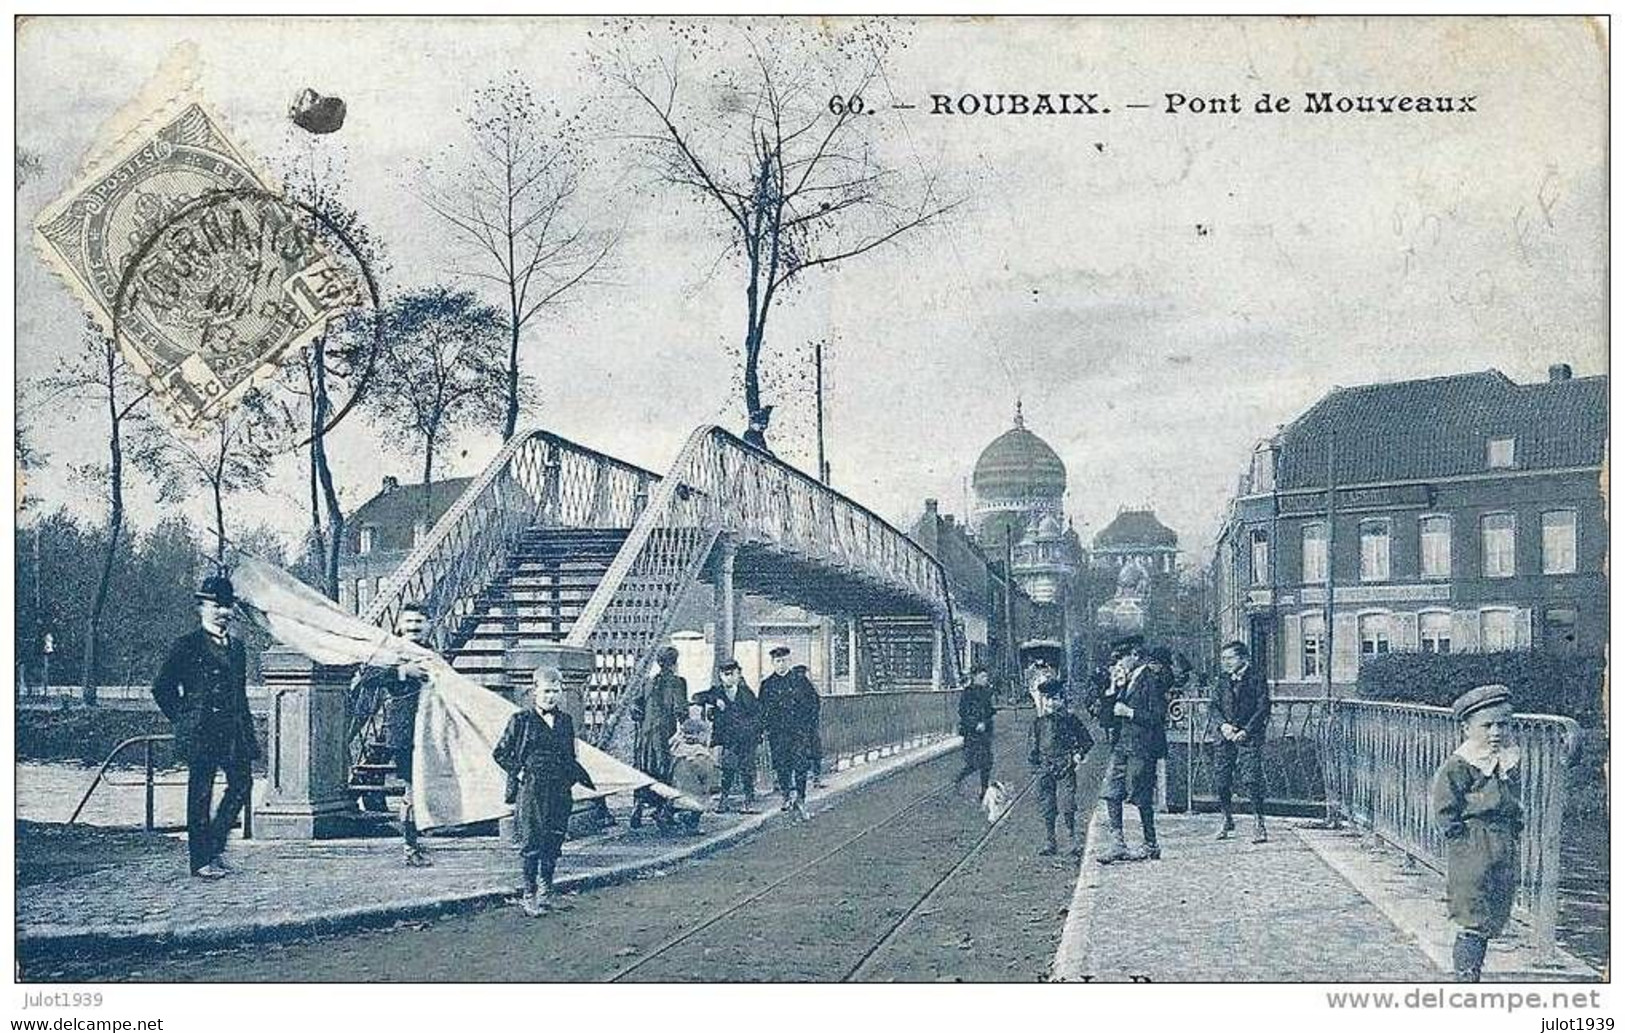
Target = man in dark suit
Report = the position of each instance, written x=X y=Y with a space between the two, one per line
x=399 y=688
x=736 y=729
x=1241 y=708
x=1139 y=741
x=790 y=708
x=202 y=689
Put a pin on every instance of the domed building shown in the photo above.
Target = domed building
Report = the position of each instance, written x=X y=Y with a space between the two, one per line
x=1020 y=483
x=1018 y=480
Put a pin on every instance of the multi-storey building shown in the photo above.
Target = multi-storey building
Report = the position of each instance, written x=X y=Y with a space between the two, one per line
x=384 y=530
x=1467 y=515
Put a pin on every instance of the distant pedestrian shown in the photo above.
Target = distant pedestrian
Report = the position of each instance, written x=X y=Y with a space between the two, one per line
x=1476 y=797
x=398 y=687
x=790 y=707
x=1139 y=738
x=1059 y=742
x=1241 y=708
x=656 y=711
x=202 y=689
x=736 y=730
x=976 y=729
x=538 y=750
x=756 y=432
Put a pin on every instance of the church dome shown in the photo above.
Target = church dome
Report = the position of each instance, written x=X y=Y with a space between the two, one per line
x=1019 y=464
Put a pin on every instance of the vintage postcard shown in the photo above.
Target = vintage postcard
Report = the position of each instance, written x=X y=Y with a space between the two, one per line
x=718 y=499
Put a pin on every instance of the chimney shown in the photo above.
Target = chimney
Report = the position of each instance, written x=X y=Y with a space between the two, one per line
x=390 y=484
x=1559 y=371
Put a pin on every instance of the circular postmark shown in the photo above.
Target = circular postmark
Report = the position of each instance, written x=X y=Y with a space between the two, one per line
x=219 y=288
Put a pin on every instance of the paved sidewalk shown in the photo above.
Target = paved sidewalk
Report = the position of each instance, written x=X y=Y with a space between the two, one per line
x=1229 y=911
x=287 y=887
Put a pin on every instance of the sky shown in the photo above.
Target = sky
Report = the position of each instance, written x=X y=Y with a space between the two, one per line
x=1161 y=291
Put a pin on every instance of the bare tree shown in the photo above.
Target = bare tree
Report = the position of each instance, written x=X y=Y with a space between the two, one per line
x=337 y=362
x=767 y=126
x=98 y=375
x=233 y=455
x=444 y=370
x=510 y=201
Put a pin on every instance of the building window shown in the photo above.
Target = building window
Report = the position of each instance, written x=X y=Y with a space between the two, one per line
x=1261 y=557
x=1559 y=630
x=1374 y=634
x=1433 y=629
x=1263 y=478
x=1374 y=550
x=1314 y=554
x=363 y=593
x=420 y=531
x=364 y=546
x=1557 y=554
x=1314 y=637
x=1435 y=546
x=1500 y=545
x=1501 y=453
x=1497 y=630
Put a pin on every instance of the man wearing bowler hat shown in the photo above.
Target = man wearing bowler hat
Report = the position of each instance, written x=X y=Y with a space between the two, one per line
x=203 y=691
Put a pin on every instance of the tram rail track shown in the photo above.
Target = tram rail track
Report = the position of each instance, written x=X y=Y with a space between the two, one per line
x=866 y=959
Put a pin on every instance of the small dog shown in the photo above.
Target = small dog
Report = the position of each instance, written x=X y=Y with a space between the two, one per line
x=996 y=801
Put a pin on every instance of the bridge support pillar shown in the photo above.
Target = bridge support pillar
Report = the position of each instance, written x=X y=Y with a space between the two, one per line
x=574 y=665
x=727 y=601
x=937 y=664
x=307 y=760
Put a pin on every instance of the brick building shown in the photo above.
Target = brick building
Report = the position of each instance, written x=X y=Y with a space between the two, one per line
x=384 y=530
x=1468 y=516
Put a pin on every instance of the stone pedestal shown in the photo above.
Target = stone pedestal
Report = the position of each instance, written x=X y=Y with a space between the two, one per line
x=307 y=767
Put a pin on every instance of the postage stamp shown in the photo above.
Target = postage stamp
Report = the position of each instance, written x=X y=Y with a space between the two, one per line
x=205 y=276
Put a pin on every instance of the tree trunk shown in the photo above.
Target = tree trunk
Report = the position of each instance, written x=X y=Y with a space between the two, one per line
x=428 y=474
x=322 y=471
x=89 y=677
x=219 y=527
x=511 y=423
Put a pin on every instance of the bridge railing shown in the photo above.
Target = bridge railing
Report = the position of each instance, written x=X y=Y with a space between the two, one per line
x=719 y=485
x=1293 y=764
x=536 y=479
x=1383 y=756
x=853 y=727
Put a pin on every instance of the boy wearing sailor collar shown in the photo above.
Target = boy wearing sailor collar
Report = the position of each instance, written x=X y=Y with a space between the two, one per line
x=1476 y=797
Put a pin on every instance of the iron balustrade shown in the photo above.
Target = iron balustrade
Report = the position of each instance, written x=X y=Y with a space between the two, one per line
x=720 y=485
x=853 y=727
x=150 y=783
x=1382 y=760
x=1293 y=744
x=538 y=479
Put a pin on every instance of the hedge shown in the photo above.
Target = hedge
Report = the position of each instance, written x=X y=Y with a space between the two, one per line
x=1541 y=683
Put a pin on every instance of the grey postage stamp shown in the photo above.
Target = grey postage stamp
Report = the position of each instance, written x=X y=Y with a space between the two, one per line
x=204 y=275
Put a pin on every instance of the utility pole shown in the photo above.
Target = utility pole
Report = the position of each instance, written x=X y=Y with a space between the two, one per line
x=818 y=377
x=1330 y=820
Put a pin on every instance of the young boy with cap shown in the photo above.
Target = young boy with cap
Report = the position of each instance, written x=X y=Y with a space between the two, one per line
x=1059 y=741
x=1476 y=797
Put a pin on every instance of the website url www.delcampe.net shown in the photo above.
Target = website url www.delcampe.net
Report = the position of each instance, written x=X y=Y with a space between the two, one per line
x=1476 y=1000
x=89 y=1025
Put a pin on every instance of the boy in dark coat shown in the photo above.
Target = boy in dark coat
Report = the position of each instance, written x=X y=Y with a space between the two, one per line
x=1059 y=741
x=790 y=708
x=538 y=748
x=736 y=729
x=1241 y=709
x=976 y=728
x=203 y=690
x=1476 y=796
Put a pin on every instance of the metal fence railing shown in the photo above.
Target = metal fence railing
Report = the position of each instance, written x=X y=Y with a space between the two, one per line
x=1382 y=757
x=150 y=783
x=852 y=727
x=1293 y=777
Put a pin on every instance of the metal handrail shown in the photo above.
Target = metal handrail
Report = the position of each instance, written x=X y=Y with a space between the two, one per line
x=1384 y=756
x=720 y=485
x=150 y=821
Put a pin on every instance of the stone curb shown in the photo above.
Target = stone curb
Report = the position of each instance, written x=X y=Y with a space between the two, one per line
x=1072 y=953
x=46 y=941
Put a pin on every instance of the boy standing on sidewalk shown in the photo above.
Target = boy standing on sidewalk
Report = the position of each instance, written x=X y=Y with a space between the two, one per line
x=1139 y=739
x=1476 y=797
x=1060 y=740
